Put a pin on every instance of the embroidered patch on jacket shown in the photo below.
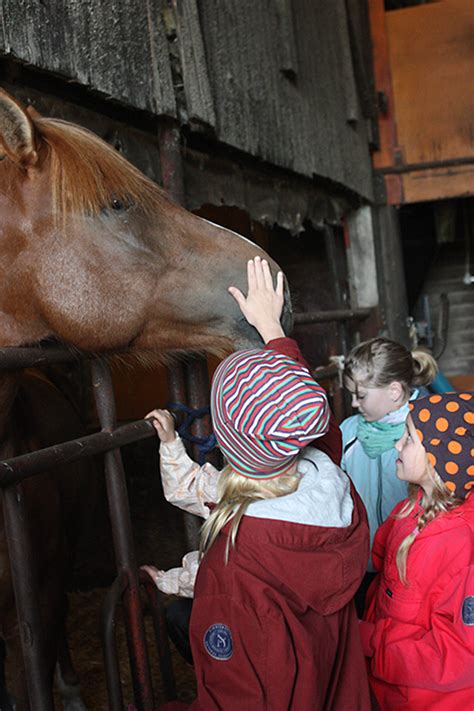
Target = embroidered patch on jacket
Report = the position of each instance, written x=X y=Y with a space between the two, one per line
x=218 y=642
x=468 y=610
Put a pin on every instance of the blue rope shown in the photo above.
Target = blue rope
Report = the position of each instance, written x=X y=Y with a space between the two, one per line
x=204 y=445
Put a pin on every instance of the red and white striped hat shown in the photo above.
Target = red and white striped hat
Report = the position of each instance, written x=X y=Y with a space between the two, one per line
x=265 y=407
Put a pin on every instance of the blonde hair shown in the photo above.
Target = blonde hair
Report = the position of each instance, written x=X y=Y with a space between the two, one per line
x=440 y=501
x=235 y=494
x=380 y=361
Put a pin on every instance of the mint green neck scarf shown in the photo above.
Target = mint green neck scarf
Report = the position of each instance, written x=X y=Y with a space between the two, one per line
x=380 y=436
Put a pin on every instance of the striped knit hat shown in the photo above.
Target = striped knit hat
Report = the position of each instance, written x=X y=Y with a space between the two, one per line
x=265 y=407
x=445 y=426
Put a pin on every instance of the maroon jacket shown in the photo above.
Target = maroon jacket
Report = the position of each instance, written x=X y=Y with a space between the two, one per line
x=281 y=611
x=276 y=629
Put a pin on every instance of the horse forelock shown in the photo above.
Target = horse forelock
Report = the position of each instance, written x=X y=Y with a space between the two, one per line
x=87 y=173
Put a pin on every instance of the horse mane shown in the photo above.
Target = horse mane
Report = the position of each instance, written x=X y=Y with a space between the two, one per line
x=87 y=173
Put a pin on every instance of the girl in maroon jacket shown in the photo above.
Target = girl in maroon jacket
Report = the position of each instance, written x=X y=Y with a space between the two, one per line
x=273 y=623
x=419 y=625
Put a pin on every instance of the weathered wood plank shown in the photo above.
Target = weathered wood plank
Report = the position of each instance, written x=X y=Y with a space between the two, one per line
x=300 y=124
x=288 y=51
x=267 y=196
x=200 y=104
x=351 y=98
x=272 y=78
x=361 y=46
x=117 y=48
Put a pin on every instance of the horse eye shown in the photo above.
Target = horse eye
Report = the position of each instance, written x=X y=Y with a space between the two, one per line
x=117 y=204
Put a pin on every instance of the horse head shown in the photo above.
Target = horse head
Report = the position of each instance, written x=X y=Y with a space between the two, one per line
x=95 y=254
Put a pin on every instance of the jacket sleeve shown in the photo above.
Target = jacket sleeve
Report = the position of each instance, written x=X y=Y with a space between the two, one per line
x=331 y=442
x=438 y=658
x=180 y=581
x=185 y=483
x=237 y=656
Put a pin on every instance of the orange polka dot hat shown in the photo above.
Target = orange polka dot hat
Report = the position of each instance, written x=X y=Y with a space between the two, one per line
x=445 y=425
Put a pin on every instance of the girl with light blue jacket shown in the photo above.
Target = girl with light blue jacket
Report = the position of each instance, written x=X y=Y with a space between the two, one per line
x=382 y=376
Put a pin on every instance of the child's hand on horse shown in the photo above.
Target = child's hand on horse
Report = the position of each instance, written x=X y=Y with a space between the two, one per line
x=163 y=422
x=263 y=304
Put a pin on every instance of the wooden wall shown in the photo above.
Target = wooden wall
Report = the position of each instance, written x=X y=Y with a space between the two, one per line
x=286 y=81
x=424 y=65
x=116 y=48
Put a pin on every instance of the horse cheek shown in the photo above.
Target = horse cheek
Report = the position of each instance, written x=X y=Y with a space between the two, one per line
x=89 y=305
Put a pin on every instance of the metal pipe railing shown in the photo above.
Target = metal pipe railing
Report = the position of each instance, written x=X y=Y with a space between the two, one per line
x=332 y=315
x=17 y=469
x=24 y=576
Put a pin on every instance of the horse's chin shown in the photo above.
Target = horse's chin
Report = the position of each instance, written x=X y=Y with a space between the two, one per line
x=246 y=336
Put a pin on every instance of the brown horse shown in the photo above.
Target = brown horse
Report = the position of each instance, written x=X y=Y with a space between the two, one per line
x=95 y=255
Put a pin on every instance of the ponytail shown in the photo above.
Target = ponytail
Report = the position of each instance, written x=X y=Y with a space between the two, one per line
x=425 y=368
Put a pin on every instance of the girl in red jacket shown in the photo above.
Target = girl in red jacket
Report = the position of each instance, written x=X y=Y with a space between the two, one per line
x=273 y=624
x=419 y=625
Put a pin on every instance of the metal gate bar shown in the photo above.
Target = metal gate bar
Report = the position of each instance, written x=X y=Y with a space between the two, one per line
x=111 y=663
x=122 y=536
x=25 y=587
x=15 y=470
x=305 y=317
x=36 y=356
x=156 y=609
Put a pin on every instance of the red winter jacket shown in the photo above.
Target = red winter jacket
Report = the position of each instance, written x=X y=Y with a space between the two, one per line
x=421 y=638
x=331 y=442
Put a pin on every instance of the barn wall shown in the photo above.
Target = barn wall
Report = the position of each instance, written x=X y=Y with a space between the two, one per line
x=117 y=48
x=284 y=86
x=284 y=81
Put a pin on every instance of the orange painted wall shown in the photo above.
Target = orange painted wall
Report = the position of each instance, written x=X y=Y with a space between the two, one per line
x=424 y=63
x=432 y=62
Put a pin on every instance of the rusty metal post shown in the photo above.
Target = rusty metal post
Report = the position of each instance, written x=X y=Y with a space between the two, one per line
x=111 y=662
x=156 y=609
x=24 y=577
x=123 y=545
x=197 y=385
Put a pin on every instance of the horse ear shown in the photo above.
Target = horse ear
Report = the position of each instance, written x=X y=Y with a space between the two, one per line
x=17 y=134
x=33 y=113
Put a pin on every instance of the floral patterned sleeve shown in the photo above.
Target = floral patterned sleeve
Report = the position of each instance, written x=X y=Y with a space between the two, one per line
x=185 y=483
x=180 y=581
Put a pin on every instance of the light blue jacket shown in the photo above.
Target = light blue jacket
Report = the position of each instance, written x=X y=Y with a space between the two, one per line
x=375 y=479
